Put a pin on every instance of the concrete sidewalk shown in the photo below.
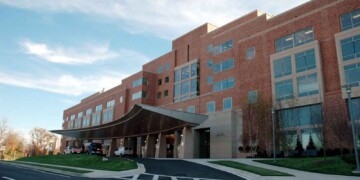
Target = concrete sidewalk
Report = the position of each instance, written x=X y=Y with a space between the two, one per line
x=247 y=175
x=94 y=174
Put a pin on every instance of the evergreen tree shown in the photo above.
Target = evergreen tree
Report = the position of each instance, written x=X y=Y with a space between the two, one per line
x=311 y=145
x=299 y=147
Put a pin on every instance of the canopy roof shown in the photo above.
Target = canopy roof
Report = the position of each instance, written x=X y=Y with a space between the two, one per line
x=140 y=120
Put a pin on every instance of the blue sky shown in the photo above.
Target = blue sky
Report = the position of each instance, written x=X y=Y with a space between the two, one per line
x=55 y=53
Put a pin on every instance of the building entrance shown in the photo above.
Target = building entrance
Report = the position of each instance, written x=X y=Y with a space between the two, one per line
x=170 y=146
x=204 y=137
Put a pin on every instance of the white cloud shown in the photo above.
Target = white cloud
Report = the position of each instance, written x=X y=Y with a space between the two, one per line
x=88 y=55
x=65 y=84
x=166 y=19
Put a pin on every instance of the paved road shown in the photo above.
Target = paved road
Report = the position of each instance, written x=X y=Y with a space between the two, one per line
x=14 y=172
x=179 y=169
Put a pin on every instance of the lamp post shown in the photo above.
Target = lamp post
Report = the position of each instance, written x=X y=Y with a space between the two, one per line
x=348 y=91
x=273 y=131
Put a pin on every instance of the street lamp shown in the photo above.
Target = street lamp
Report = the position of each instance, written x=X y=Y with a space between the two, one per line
x=348 y=91
x=273 y=131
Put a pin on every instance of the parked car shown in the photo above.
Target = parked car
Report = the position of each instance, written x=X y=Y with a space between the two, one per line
x=68 y=150
x=123 y=151
x=96 y=148
x=76 y=150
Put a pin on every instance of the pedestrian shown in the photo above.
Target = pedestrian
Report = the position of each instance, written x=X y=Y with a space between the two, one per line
x=90 y=149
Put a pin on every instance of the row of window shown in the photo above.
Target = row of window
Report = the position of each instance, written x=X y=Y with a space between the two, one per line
x=295 y=39
x=166 y=80
x=166 y=93
x=350 y=20
x=224 y=65
x=186 y=86
x=224 y=84
x=167 y=68
x=227 y=105
x=227 y=45
x=186 y=72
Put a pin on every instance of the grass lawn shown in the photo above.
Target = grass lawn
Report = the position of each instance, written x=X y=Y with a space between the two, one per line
x=332 y=165
x=83 y=161
x=252 y=169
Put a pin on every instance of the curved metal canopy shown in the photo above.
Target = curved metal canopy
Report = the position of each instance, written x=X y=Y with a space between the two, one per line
x=140 y=120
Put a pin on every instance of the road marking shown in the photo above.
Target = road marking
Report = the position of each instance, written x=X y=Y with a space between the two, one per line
x=135 y=177
x=156 y=177
x=173 y=178
x=4 y=177
x=51 y=173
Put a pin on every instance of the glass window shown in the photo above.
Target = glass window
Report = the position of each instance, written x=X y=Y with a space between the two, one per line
x=252 y=97
x=284 y=90
x=159 y=82
x=80 y=114
x=167 y=79
x=144 y=94
x=210 y=106
x=350 y=48
x=191 y=109
x=121 y=99
x=210 y=63
x=355 y=107
x=185 y=87
x=224 y=84
x=194 y=69
x=210 y=48
x=136 y=95
x=216 y=86
x=300 y=116
x=352 y=73
x=160 y=69
x=88 y=111
x=185 y=73
x=216 y=68
x=193 y=85
x=137 y=82
x=110 y=103
x=72 y=117
x=177 y=75
x=167 y=66
x=250 y=53
x=177 y=90
x=108 y=116
x=224 y=65
x=296 y=39
x=305 y=60
x=282 y=67
x=96 y=118
x=308 y=85
x=227 y=103
x=210 y=79
x=159 y=95
x=98 y=108
x=166 y=93
x=350 y=20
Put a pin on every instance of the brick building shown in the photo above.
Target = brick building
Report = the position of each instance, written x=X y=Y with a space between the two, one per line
x=196 y=100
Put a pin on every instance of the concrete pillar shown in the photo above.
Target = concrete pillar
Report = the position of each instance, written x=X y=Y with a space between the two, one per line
x=176 y=143
x=139 y=146
x=186 y=149
x=112 y=148
x=161 y=146
x=150 y=146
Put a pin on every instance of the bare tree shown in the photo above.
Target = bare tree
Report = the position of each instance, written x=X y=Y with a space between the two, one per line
x=319 y=125
x=14 y=142
x=3 y=129
x=42 y=140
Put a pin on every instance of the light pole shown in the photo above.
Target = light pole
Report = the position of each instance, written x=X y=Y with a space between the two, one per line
x=348 y=91
x=273 y=131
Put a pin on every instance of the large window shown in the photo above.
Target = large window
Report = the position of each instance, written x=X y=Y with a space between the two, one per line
x=110 y=103
x=209 y=79
x=80 y=114
x=136 y=95
x=355 y=107
x=160 y=69
x=167 y=66
x=284 y=90
x=282 y=67
x=88 y=111
x=296 y=39
x=210 y=63
x=137 y=82
x=308 y=85
x=305 y=60
x=96 y=118
x=352 y=73
x=210 y=107
x=224 y=65
x=220 y=48
x=108 y=116
x=98 y=108
x=86 y=122
x=186 y=83
x=350 y=48
x=299 y=116
x=224 y=84
x=72 y=117
x=227 y=103
x=350 y=20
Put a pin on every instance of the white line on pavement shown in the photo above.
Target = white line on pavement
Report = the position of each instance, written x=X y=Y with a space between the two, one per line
x=155 y=177
x=4 y=177
x=51 y=173
x=135 y=177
